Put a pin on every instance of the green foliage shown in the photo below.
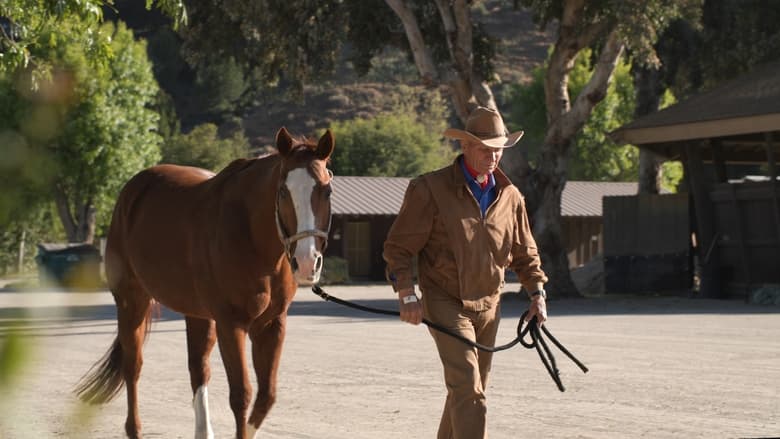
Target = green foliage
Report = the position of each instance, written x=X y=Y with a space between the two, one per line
x=36 y=224
x=203 y=148
x=335 y=271
x=14 y=353
x=594 y=157
x=289 y=40
x=398 y=143
x=86 y=131
x=526 y=110
x=33 y=19
x=671 y=175
x=220 y=86
x=638 y=21
x=373 y=27
x=736 y=36
x=110 y=132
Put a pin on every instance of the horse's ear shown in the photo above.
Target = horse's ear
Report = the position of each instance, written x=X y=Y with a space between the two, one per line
x=284 y=141
x=325 y=145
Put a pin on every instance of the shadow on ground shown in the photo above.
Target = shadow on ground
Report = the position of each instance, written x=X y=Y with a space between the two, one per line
x=513 y=305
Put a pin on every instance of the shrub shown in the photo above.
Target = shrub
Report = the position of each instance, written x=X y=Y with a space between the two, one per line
x=203 y=148
x=335 y=270
x=389 y=144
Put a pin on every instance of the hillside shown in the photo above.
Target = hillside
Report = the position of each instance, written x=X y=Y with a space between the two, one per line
x=344 y=96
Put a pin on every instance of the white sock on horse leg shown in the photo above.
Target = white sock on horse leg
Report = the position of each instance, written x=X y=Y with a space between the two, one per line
x=200 y=402
x=251 y=431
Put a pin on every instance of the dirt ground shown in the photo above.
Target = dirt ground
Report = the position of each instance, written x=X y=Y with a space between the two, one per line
x=660 y=367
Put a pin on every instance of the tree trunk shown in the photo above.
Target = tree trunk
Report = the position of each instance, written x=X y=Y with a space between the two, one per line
x=544 y=186
x=647 y=83
x=81 y=228
x=63 y=211
x=547 y=223
x=650 y=172
x=466 y=89
x=86 y=223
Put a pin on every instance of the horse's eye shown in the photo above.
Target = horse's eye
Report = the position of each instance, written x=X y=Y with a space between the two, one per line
x=284 y=192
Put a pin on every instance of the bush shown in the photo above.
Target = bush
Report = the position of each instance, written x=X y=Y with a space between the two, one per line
x=390 y=144
x=37 y=225
x=335 y=270
x=203 y=148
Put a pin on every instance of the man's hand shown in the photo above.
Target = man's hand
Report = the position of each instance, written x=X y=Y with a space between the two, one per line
x=409 y=304
x=538 y=309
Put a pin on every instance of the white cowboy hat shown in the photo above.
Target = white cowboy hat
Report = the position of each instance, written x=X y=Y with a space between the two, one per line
x=485 y=126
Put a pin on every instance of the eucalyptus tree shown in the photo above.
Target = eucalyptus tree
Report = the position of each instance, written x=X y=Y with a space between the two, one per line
x=293 y=41
x=465 y=66
x=608 y=27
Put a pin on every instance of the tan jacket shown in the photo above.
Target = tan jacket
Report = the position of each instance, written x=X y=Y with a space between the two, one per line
x=461 y=254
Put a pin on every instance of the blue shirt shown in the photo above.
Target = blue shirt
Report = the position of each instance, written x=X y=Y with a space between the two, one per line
x=484 y=197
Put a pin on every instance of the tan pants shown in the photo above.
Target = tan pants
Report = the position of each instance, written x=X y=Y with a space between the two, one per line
x=465 y=368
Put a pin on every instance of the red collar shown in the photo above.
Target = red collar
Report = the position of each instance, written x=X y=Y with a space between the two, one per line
x=474 y=175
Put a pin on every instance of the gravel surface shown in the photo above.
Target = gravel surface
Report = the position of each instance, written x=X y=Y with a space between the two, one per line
x=660 y=367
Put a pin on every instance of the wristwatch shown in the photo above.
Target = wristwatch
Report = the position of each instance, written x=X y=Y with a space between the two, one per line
x=409 y=299
x=539 y=292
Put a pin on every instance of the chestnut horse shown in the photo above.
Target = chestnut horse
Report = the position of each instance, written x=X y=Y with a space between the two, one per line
x=225 y=250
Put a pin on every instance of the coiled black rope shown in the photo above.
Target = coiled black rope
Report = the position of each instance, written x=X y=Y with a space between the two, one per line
x=537 y=340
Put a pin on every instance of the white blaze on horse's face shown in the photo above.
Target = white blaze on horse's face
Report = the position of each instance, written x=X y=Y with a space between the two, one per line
x=308 y=260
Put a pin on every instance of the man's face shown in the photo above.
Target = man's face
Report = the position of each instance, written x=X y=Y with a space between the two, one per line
x=481 y=158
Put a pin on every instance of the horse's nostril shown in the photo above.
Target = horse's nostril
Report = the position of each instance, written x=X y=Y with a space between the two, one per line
x=294 y=263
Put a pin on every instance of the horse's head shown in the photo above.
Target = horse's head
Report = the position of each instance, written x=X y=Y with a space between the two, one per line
x=303 y=203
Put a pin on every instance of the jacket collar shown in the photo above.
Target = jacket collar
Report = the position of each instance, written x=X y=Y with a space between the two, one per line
x=459 y=180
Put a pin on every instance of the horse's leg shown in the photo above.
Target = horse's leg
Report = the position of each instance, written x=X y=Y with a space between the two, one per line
x=134 y=317
x=267 y=341
x=201 y=336
x=232 y=342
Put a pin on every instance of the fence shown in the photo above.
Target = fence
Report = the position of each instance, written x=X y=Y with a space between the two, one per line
x=748 y=232
x=647 y=243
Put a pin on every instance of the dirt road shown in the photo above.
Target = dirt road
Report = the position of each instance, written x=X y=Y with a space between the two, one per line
x=660 y=368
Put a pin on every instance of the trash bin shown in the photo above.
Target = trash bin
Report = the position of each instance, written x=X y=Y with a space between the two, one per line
x=73 y=266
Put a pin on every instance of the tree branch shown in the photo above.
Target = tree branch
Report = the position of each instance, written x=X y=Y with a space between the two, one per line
x=422 y=56
x=596 y=89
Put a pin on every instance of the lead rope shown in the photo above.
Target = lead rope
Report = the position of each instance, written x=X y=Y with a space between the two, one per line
x=537 y=340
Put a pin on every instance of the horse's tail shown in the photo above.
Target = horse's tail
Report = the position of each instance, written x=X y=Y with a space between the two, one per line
x=104 y=380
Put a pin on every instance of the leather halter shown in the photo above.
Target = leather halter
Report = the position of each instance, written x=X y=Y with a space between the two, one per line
x=288 y=241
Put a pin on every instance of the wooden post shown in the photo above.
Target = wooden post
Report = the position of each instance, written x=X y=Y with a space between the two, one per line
x=717 y=160
x=743 y=249
x=21 y=252
x=770 y=157
x=706 y=229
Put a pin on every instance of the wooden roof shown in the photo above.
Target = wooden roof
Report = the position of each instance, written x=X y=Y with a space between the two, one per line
x=739 y=114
